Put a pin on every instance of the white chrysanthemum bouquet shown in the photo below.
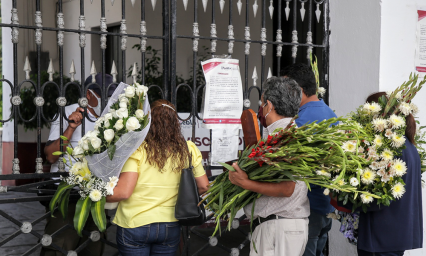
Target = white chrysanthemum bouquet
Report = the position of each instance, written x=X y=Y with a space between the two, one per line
x=385 y=123
x=97 y=160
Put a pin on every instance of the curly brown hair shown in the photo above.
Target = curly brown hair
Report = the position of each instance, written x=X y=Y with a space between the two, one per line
x=164 y=140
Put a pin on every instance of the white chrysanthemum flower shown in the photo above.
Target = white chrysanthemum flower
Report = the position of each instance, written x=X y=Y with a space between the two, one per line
x=95 y=195
x=341 y=182
x=396 y=121
x=354 y=181
x=398 y=96
x=366 y=199
x=367 y=176
x=366 y=107
x=110 y=187
x=326 y=191
x=398 y=190
x=374 y=107
x=398 y=167
x=388 y=133
x=378 y=141
x=324 y=173
x=387 y=155
x=113 y=179
x=414 y=108
x=397 y=140
x=405 y=108
x=321 y=91
x=349 y=146
x=379 y=124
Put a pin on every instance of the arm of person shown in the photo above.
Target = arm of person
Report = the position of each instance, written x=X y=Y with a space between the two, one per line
x=77 y=117
x=202 y=184
x=281 y=189
x=125 y=186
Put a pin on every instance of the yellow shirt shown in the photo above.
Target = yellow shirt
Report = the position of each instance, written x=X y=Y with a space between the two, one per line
x=155 y=194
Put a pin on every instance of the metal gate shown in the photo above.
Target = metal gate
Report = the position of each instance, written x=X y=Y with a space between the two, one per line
x=296 y=29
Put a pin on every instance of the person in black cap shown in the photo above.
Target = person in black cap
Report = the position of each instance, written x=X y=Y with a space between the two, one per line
x=69 y=239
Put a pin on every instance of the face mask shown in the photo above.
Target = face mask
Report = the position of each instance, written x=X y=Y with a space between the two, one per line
x=97 y=109
x=260 y=116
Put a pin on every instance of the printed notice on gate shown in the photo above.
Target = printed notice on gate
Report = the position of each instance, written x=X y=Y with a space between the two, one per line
x=421 y=42
x=223 y=95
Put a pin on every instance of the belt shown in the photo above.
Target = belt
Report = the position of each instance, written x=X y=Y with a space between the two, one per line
x=260 y=220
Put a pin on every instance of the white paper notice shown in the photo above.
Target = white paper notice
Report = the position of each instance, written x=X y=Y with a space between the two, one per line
x=223 y=99
x=224 y=145
x=421 y=42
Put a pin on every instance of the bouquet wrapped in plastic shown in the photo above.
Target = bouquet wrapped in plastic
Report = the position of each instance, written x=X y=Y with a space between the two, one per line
x=96 y=162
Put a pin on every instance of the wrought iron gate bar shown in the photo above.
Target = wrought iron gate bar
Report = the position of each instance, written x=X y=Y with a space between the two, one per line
x=169 y=88
x=252 y=41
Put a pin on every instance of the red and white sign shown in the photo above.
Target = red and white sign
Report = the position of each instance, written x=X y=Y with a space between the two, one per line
x=420 y=61
x=223 y=98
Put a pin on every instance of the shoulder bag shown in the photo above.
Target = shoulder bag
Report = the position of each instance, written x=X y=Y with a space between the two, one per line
x=187 y=211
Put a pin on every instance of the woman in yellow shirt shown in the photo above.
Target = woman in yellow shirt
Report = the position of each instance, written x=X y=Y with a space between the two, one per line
x=148 y=187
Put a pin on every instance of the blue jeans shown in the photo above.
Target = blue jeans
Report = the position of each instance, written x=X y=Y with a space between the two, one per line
x=149 y=240
x=319 y=225
x=365 y=253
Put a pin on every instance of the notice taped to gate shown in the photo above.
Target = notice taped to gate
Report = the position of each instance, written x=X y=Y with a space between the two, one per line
x=223 y=98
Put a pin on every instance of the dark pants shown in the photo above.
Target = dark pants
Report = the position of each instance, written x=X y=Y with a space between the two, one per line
x=319 y=225
x=69 y=239
x=149 y=240
x=365 y=253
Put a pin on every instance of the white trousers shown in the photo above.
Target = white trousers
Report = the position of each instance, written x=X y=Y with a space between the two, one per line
x=281 y=237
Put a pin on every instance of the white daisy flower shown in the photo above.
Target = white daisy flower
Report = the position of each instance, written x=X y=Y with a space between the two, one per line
x=398 y=168
x=367 y=176
x=379 y=124
x=354 y=181
x=396 y=121
x=405 y=108
x=397 y=140
x=95 y=195
x=324 y=173
x=374 y=107
x=398 y=96
x=366 y=107
x=326 y=191
x=349 y=146
x=321 y=91
x=414 y=108
x=398 y=190
x=378 y=141
x=387 y=155
x=388 y=133
x=366 y=199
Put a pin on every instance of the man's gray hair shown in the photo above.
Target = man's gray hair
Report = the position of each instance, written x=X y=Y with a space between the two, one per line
x=284 y=93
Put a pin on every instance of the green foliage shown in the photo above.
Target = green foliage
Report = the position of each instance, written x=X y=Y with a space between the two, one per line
x=154 y=76
x=50 y=109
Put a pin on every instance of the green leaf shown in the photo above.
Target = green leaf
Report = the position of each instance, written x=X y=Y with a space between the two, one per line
x=220 y=205
x=63 y=138
x=62 y=188
x=82 y=210
x=111 y=151
x=63 y=205
x=57 y=153
x=98 y=214
x=227 y=166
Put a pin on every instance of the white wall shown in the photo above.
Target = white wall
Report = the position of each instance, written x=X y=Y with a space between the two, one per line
x=354 y=52
x=397 y=51
x=372 y=47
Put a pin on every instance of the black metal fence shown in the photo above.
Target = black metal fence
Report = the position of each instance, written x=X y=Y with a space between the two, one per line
x=292 y=20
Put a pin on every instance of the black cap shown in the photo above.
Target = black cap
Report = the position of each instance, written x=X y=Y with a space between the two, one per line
x=96 y=88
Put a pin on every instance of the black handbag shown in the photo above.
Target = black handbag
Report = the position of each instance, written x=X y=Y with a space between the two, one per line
x=187 y=211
